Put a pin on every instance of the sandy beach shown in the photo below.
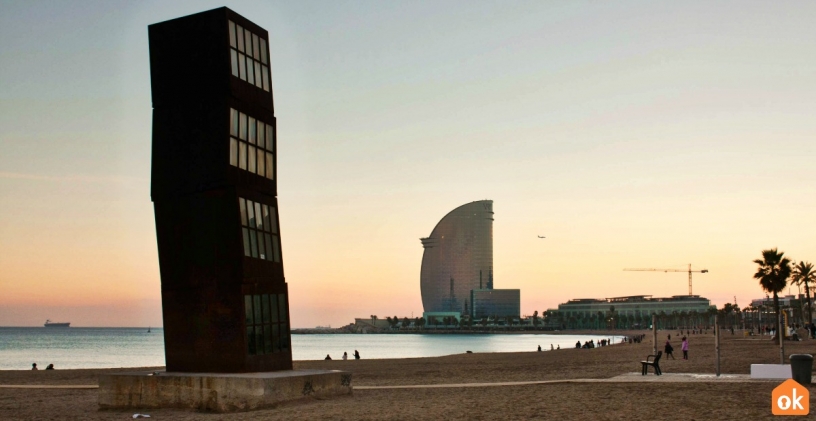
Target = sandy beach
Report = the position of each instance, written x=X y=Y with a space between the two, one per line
x=587 y=399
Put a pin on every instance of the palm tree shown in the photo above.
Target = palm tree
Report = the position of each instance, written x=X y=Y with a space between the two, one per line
x=803 y=274
x=773 y=273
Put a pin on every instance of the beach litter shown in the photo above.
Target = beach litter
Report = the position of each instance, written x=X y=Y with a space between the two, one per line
x=141 y=416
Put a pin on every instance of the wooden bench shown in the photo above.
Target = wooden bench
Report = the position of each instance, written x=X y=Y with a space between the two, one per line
x=654 y=363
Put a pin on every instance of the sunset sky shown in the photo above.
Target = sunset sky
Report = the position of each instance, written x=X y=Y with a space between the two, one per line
x=630 y=134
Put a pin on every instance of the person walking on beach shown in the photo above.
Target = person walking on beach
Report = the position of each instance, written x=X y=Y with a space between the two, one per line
x=34 y=366
x=356 y=355
x=345 y=356
x=684 y=348
x=668 y=349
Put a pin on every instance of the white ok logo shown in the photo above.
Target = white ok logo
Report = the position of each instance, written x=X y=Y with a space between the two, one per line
x=784 y=402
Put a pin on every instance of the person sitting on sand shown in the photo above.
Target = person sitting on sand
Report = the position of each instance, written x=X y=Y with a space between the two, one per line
x=578 y=344
x=345 y=356
x=668 y=349
x=34 y=366
x=559 y=346
x=50 y=367
x=356 y=355
x=539 y=348
x=328 y=357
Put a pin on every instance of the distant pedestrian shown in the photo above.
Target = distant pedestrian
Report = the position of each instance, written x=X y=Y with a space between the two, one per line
x=668 y=349
x=558 y=347
x=551 y=347
x=345 y=356
x=50 y=367
x=539 y=348
x=684 y=348
x=328 y=357
x=356 y=355
x=34 y=366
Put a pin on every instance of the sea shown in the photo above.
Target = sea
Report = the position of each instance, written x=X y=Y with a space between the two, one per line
x=78 y=347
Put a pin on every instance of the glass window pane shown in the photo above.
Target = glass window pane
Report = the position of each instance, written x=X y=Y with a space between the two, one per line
x=265 y=75
x=234 y=61
x=275 y=248
x=261 y=165
x=270 y=139
x=252 y=156
x=263 y=51
x=259 y=340
x=250 y=340
x=258 y=309
x=270 y=167
x=258 y=74
x=242 y=155
x=240 y=33
x=255 y=48
x=241 y=67
x=233 y=152
x=275 y=337
x=250 y=71
x=273 y=220
x=252 y=130
x=246 y=243
x=273 y=308
x=251 y=213
x=262 y=253
x=253 y=243
x=265 y=298
x=248 y=309
x=284 y=337
x=261 y=134
x=242 y=133
x=267 y=336
x=234 y=122
x=232 y=34
x=258 y=216
x=282 y=307
x=268 y=245
x=248 y=39
x=242 y=205
x=266 y=217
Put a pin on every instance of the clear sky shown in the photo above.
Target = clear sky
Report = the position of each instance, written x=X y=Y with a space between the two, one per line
x=630 y=134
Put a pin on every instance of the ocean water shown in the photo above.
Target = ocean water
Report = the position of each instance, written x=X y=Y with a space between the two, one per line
x=135 y=347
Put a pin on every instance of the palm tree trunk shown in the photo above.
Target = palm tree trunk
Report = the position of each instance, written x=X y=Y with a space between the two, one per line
x=810 y=311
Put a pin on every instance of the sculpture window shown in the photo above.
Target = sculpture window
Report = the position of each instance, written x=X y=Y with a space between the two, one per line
x=248 y=56
x=259 y=229
x=266 y=323
x=251 y=145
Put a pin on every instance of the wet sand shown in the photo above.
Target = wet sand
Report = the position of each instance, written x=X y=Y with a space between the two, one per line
x=698 y=400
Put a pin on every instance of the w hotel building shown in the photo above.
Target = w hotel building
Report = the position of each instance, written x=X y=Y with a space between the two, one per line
x=214 y=190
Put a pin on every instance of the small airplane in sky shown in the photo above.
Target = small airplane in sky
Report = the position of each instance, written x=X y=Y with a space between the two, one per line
x=541 y=237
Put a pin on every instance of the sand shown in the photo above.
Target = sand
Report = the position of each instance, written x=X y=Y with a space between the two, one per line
x=587 y=400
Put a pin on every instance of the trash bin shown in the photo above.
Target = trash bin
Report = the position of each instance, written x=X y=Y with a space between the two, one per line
x=802 y=368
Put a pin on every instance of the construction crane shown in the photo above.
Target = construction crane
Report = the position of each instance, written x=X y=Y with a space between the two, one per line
x=671 y=270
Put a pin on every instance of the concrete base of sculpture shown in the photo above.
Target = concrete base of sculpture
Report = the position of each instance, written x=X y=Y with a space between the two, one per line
x=219 y=392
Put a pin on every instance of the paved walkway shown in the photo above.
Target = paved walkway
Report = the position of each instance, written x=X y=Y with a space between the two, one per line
x=623 y=378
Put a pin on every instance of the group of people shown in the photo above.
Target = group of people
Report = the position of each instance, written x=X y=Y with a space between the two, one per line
x=49 y=367
x=669 y=349
x=345 y=356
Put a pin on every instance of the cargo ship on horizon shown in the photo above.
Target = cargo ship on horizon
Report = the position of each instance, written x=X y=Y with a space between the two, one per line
x=49 y=323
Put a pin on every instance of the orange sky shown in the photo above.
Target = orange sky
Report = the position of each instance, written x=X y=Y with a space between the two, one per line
x=647 y=134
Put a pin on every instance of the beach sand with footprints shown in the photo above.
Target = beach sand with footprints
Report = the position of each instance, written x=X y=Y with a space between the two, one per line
x=594 y=384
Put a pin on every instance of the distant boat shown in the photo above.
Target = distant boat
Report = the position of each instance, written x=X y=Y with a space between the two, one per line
x=48 y=323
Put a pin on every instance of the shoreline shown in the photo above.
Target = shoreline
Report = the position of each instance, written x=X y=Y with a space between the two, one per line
x=525 y=385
